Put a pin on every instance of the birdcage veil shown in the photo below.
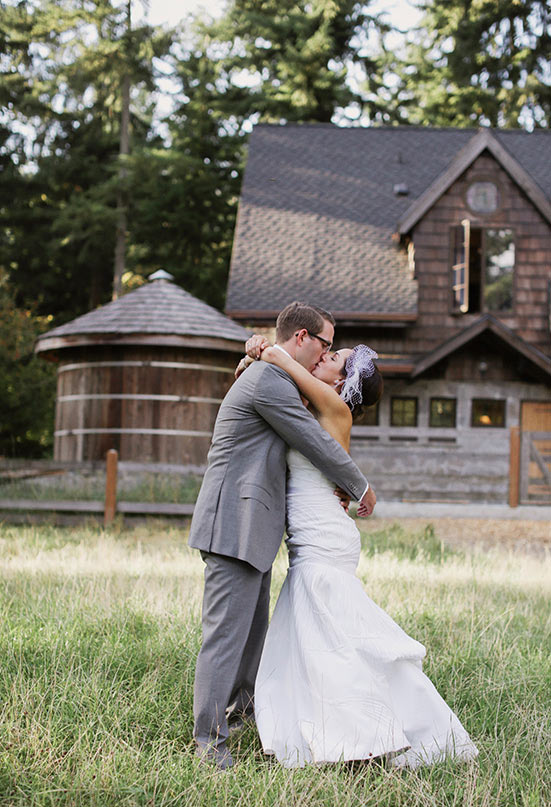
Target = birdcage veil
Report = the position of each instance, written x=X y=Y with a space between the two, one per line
x=358 y=366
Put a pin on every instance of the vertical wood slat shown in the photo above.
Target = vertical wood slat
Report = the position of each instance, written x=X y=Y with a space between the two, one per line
x=514 y=467
x=524 y=466
x=110 y=487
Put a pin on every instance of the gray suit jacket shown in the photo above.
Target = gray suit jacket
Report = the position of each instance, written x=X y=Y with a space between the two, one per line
x=240 y=511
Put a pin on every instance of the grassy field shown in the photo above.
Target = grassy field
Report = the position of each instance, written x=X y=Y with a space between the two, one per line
x=142 y=487
x=98 y=643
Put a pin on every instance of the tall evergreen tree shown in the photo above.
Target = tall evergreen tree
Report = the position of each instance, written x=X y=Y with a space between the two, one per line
x=67 y=63
x=268 y=61
x=183 y=210
x=289 y=60
x=66 y=60
x=474 y=62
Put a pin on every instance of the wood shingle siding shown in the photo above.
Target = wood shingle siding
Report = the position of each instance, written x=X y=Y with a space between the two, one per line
x=144 y=375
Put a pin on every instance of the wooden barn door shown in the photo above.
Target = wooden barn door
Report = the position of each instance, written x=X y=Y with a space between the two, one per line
x=535 y=453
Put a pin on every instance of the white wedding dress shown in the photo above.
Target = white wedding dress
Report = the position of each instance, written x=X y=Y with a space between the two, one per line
x=338 y=678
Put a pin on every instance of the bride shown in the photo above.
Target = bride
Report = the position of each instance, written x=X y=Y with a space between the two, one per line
x=338 y=678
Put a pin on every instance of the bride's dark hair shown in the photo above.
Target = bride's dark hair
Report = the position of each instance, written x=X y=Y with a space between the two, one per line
x=371 y=388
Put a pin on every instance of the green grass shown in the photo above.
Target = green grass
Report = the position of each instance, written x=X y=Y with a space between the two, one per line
x=97 y=649
x=145 y=487
x=408 y=544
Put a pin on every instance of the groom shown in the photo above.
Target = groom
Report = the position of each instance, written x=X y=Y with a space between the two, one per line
x=239 y=519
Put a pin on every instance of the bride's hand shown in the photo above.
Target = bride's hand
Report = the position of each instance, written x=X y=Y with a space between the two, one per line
x=272 y=355
x=255 y=345
x=242 y=366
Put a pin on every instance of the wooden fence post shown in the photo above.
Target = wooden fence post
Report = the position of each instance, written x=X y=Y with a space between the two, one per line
x=110 y=487
x=514 y=467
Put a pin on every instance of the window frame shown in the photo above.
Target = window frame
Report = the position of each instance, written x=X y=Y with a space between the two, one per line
x=457 y=311
x=486 y=177
x=462 y=308
x=404 y=398
x=489 y=426
x=443 y=398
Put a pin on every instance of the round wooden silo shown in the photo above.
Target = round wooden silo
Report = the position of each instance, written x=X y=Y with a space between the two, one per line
x=144 y=374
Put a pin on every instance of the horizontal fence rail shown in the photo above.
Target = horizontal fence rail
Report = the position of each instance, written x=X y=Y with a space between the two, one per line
x=109 y=507
x=88 y=506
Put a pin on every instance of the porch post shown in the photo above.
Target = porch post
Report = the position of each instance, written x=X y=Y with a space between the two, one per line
x=514 y=466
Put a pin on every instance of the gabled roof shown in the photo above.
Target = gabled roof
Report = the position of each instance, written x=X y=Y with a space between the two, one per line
x=159 y=311
x=483 y=140
x=319 y=207
x=486 y=323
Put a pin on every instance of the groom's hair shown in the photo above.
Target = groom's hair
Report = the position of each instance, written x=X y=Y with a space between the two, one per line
x=296 y=316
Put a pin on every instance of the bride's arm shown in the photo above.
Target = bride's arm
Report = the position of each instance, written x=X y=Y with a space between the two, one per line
x=242 y=366
x=324 y=399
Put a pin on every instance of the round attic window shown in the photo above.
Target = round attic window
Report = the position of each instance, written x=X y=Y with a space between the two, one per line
x=483 y=197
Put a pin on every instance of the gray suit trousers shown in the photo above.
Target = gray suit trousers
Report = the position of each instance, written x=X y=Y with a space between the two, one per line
x=235 y=619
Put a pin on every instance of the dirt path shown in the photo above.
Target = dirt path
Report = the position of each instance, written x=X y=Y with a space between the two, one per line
x=527 y=536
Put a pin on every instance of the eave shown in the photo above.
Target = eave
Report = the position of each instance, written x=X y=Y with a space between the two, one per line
x=391 y=319
x=53 y=344
x=486 y=323
x=483 y=140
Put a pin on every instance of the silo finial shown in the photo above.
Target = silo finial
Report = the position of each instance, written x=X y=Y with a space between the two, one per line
x=160 y=274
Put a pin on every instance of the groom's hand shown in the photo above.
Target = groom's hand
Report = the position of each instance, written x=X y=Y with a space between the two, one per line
x=343 y=497
x=255 y=345
x=365 y=507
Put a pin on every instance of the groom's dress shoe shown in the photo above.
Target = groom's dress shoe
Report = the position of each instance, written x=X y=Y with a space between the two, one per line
x=215 y=755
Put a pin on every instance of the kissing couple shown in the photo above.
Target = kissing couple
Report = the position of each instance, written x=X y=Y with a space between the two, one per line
x=333 y=678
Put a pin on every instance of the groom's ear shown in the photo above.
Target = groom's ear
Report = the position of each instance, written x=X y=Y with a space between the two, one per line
x=300 y=335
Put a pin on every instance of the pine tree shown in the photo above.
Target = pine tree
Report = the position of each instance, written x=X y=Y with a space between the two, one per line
x=64 y=71
x=478 y=62
x=184 y=205
x=262 y=61
x=290 y=60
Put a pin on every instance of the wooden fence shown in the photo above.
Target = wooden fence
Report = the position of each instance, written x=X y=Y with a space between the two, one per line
x=109 y=508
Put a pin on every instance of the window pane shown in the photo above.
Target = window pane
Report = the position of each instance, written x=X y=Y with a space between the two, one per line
x=403 y=412
x=500 y=264
x=369 y=418
x=442 y=413
x=486 y=412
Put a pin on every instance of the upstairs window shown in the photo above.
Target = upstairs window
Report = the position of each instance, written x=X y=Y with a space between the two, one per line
x=483 y=265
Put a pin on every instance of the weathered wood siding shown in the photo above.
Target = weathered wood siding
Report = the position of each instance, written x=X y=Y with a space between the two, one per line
x=431 y=237
x=442 y=464
x=530 y=318
x=152 y=404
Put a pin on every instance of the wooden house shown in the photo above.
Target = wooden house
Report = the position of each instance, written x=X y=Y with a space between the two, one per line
x=433 y=246
x=144 y=374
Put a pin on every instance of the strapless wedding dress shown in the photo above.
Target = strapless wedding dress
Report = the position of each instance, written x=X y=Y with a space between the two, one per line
x=338 y=678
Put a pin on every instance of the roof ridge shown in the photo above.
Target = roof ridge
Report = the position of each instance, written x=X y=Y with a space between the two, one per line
x=398 y=127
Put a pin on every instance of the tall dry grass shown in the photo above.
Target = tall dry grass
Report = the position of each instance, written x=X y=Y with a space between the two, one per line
x=98 y=642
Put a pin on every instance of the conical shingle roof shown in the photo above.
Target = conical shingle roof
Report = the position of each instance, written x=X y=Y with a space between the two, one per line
x=158 y=307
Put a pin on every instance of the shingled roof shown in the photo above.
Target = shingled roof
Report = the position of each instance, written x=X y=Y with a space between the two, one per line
x=158 y=308
x=319 y=210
